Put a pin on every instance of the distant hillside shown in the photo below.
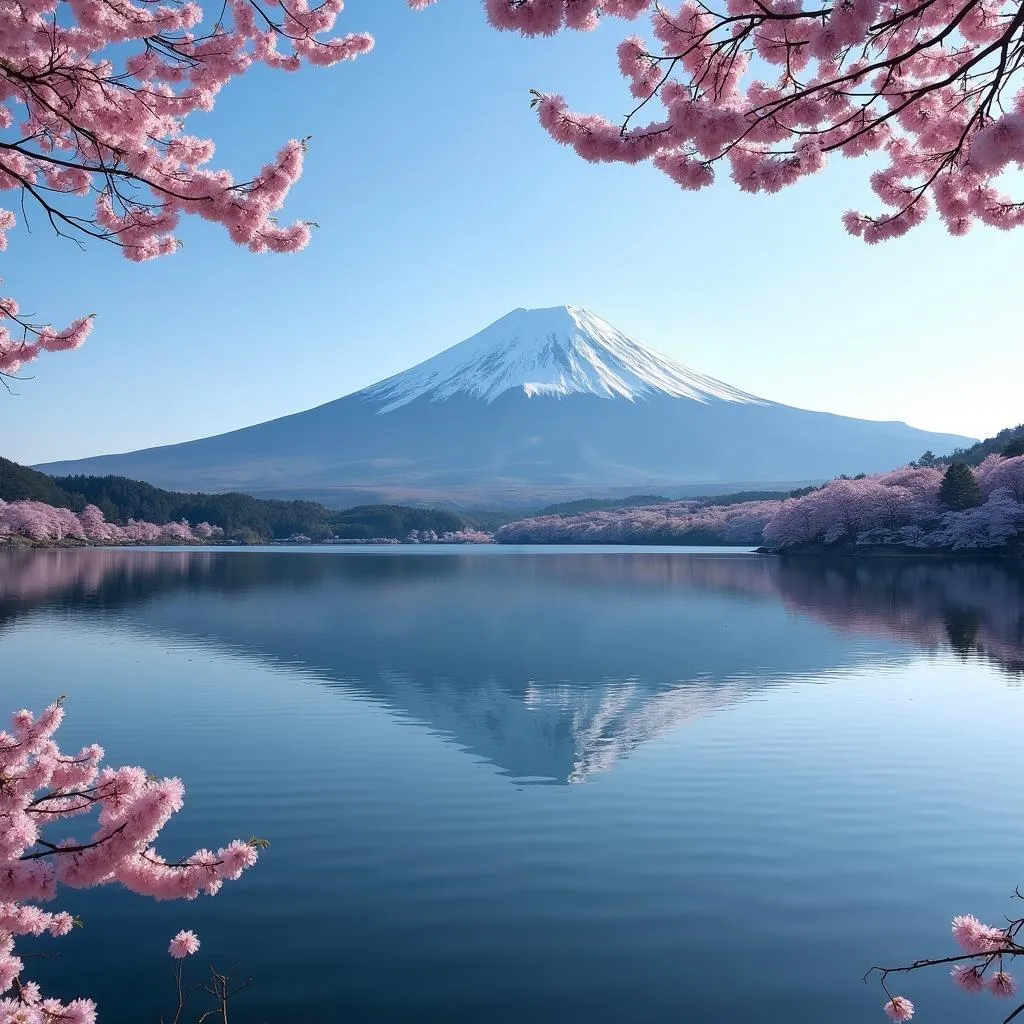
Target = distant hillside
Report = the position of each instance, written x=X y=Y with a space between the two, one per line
x=19 y=483
x=977 y=453
x=241 y=516
x=742 y=497
x=396 y=521
x=593 y=504
x=121 y=499
x=573 y=508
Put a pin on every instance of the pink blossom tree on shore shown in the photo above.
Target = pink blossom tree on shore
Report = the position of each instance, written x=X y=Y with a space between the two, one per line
x=47 y=524
x=843 y=509
x=771 y=89
x=177 y=533
x=674 y=523
x=94 y=97
x=95 y=525
x=998 y=472
x=204 y=531
x=38 y=521
x=902 y=507
x=41 y=786
x=140 y=532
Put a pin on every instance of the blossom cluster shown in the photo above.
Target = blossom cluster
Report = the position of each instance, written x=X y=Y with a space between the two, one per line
x=979 y=969
x=43 y=523
x=40 y=789
x=902 y=507
x=672 y=523
x=464 y=536
x=772 y=88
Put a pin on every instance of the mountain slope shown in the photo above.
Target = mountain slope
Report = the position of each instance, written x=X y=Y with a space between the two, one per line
x=541 y=402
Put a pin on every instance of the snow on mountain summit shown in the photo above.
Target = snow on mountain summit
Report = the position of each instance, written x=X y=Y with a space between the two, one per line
x=557 y=352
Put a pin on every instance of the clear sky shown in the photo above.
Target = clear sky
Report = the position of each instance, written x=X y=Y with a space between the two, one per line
x=442 y=206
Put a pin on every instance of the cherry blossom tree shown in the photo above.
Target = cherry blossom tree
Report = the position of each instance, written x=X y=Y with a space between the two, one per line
x=903 y=508
x=140 y=532
x=38 y=521
x=45 y=524
x=923 y=484
x=70 y=525
x=791 y=526
x=176 y=533
x=40 y=785
x=95 y=525
x=94 y=97
x=997 y=472
x=771 y=89
x=34 y=520
x=685 y=522
x=992 y=524
x=465 y=536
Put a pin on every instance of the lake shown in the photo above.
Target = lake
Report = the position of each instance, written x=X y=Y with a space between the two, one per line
x=542 y=784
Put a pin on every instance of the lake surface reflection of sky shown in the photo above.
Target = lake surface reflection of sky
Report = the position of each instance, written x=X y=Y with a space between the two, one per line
x=549 y=785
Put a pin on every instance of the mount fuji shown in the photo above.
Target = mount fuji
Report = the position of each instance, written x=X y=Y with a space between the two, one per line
x=542 y=402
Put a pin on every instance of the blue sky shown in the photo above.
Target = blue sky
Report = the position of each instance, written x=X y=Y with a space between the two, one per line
x=442 y=205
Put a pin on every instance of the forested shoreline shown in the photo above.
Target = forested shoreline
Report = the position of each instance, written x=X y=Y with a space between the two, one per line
x=48 y=510
x=932 y=507
x=969 y=503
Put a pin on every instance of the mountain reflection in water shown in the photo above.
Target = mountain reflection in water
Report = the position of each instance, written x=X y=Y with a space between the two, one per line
x=550 y=665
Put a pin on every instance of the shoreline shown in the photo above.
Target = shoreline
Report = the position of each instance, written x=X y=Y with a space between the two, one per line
x=884 y=551
x=25 y=544
x=850 y=553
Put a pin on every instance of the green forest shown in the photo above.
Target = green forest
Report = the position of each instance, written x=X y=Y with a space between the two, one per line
x=1009 y=441
x=241 y=516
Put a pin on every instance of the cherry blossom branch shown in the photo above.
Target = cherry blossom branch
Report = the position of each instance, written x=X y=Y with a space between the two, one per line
x=133 y=807
x=985 y=950
x=920 y=82
x=101 y=95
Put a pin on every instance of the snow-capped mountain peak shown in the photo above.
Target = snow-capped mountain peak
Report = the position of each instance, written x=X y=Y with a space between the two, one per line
x=560 y=351
x=543 y=405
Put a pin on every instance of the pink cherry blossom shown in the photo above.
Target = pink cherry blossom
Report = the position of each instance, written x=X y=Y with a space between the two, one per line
x=675 y=523
x=975 y=937
x=184 y=944
x=997 y=473
x=969 y=978
x=44 y=785
x=46 y=524
x=899 y=1009
x=92 y=126
x=901 y=508
x=909 y=83
x=1002 y=985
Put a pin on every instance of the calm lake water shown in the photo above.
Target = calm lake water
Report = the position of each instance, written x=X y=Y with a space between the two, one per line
x=541 y=785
